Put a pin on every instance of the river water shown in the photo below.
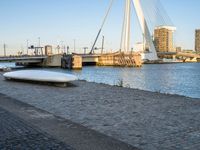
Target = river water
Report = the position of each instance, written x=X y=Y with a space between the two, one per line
x=180 y=78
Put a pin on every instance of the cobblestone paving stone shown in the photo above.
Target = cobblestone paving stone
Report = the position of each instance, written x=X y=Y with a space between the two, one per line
x=16 y=134
x=143 y=119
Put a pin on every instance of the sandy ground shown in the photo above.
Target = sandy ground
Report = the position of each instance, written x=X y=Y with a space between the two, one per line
x=143 y=119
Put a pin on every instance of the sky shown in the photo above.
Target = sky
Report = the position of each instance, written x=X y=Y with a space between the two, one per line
x=59 y=22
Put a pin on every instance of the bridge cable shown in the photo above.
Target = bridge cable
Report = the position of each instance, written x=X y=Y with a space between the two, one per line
x=155 y=14
x=168 y=19
x=102 y=25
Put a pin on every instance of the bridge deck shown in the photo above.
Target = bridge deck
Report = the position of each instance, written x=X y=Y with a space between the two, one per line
x=189 y=55
x=27 y=58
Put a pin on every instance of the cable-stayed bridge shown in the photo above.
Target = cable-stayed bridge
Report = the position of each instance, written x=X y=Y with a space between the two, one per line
x=150 y=14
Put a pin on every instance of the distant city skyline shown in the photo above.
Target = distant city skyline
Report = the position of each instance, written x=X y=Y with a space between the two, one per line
x=57 y=22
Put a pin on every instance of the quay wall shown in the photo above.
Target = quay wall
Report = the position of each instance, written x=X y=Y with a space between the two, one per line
x=52 y=61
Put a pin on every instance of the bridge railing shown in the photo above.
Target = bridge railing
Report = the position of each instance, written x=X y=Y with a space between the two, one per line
x=22 y=56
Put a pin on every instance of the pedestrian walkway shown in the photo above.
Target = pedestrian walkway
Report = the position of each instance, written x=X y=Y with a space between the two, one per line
x=17 y=134
x=25 y=127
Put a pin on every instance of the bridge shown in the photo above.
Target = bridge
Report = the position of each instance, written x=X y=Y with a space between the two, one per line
x=179 y=54
x=125 y=45
x=147 y=24
x=188 y=55
x=185 y=57
x=113 y=59
x=35 y=59
x=24 y=60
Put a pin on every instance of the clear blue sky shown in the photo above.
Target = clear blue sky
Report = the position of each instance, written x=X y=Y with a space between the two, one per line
x=64 y=20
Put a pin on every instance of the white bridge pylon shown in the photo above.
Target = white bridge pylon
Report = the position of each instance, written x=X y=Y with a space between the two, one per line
x=125 y=37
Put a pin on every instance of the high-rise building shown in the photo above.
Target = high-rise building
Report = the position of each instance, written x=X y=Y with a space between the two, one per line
x=163 y=38
x=197 y=40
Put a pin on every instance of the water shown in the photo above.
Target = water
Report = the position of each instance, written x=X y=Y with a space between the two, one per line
x=9 y=65
x=181 y=79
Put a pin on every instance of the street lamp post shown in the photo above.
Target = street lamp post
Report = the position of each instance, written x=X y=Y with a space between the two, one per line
x=27 y=43
x=38 y=41
x=85 y=49
x=4 y=48
x=74 y=45
x=67 y=49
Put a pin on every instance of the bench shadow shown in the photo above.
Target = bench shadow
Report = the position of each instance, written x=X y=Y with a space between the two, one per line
x=55 y=84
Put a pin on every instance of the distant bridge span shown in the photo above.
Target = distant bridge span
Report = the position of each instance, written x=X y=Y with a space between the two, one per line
x=188 y=55
x=30 y=59
x=179 y=54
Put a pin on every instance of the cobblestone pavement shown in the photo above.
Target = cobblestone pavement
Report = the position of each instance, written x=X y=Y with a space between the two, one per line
x=16 y=134
x=143 y=119
x=70 y=133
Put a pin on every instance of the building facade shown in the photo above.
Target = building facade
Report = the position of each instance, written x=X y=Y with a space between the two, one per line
x=178 y=49
x=48 y=50
x=197 y=40
x=163 y=38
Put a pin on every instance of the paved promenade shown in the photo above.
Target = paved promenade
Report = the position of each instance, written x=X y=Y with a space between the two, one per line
x=142 y=119
x=25 y=127
x=16 y=134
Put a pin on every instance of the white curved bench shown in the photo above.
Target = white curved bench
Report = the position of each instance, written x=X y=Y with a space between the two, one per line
x=40 y=76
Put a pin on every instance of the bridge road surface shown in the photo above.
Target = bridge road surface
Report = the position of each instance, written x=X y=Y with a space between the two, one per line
x=31 y=59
